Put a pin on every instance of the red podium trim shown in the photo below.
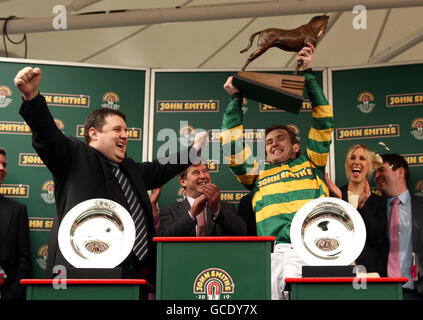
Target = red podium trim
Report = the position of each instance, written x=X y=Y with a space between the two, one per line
x=343 y=280
x=86 y=281
x=212 y=239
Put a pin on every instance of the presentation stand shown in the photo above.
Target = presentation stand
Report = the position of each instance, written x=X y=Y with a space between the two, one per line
x=213 y=268
x=87 y=289
x=346 y=288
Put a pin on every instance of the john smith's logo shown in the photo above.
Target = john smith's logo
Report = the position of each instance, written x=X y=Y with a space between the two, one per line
x=186 y=135
x=5 y=93
x=366 y=102
x=181 y=194
x=111 y=100
x=41 y=259
x=418 y=125
x=213 y=284
x=48 y=194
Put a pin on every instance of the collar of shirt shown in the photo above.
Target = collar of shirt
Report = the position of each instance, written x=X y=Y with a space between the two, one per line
x=404 y=198
x=190 y=200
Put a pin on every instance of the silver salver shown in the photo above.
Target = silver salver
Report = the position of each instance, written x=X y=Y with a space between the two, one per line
x=328 y=231
x=96 y=233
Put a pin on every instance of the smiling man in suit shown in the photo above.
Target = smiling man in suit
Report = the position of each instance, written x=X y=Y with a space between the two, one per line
x=15 y=260
x=98 y=168
x=201 y=213
x=397 y=226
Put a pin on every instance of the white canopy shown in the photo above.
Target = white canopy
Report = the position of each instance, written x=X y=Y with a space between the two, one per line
x=186 y=34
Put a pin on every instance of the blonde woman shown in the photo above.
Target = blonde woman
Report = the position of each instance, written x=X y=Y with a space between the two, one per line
x=360 y=162
x=359 y=165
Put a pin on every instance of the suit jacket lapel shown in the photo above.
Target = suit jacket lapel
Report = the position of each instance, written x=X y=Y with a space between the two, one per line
x=384 y=219
x=183 y=208
x=136 y=180
x=210 y=222
x=132 y=174
x=5 y=215
x=416 y=218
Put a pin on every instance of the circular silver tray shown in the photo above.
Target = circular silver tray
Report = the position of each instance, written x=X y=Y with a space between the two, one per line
x=96 y=233
x=328 y=231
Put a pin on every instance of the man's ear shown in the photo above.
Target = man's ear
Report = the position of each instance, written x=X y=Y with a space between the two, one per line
x=296 y=147
x=401 y=172
x=182 y=182
x=92 y=132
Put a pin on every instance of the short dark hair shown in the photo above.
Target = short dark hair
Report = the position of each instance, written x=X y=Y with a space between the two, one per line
x=96 y=120
x=183 y=174
x=397 y=161
x=291 y=133
x=2 y=151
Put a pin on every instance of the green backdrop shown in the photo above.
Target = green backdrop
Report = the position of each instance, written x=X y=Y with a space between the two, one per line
x=389 y=121
x=197 y=100
x=380 y=107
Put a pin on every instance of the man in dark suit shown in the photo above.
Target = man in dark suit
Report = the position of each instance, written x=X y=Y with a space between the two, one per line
x=84 y=171
x=246 y=212
x=391 y=179
x=202 y=199
x=15 y=260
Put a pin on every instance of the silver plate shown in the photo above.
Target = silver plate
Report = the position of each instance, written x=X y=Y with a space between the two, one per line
x=96 y=233
x=328 y=231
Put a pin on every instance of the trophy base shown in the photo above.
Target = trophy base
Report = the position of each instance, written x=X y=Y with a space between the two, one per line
x=282 y=91
x=95 y=273
x=327 y=271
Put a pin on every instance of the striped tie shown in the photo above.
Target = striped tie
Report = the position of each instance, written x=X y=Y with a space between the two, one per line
x=140 y=246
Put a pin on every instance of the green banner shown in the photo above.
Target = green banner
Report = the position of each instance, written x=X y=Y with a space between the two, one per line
x=382 y=108
x=187 y=101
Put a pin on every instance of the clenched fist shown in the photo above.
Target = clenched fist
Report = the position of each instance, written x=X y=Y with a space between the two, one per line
x=27 y=81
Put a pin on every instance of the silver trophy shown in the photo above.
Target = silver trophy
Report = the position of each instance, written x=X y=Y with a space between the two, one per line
x=328 y=232
x=97 y=233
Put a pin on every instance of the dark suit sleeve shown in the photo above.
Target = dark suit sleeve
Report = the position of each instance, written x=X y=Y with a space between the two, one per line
x=374 y=214
x=158 y=172
x=50 y=143
x=23 y=259
x=175 y=222
x=417 y=236
x=246 y=212
x=228 y=219
x=374 y=255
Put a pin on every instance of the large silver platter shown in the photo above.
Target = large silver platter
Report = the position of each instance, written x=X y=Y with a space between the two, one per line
x=97 y=233
x=328 y=231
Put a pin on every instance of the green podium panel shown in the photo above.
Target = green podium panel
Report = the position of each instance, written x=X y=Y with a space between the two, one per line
x=213 y=268
x=87 y=289
x=346 y=288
